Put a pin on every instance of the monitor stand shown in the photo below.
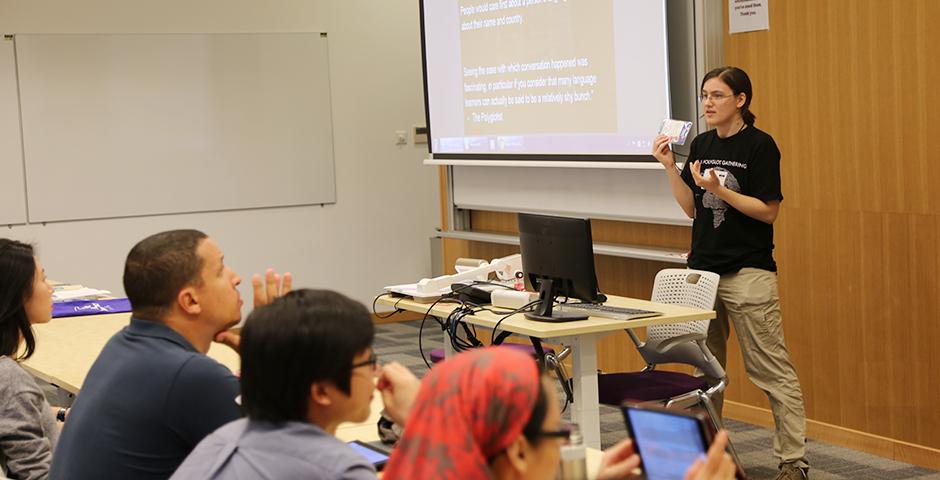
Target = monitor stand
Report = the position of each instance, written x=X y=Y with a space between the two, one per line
x=543 y=312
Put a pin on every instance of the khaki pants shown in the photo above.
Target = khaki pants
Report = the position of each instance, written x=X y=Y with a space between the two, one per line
x=749 y=299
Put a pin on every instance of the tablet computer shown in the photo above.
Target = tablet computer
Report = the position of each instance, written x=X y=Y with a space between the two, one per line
x=375 y=455
x=667 y=441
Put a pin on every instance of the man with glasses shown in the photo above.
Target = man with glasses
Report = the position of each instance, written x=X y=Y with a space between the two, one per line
x=307 y=367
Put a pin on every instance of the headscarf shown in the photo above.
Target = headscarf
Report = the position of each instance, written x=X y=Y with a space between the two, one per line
x=468 y=410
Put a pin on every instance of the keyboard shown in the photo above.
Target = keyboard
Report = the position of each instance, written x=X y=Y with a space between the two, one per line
x=605 y=311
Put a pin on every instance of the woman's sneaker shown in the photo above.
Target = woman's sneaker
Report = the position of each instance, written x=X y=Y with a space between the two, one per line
x=790 y=471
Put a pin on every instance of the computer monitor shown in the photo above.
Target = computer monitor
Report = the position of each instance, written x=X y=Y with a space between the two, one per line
x=558 y=260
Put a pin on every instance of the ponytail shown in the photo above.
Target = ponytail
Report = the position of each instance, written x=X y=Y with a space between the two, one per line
x=747 y=116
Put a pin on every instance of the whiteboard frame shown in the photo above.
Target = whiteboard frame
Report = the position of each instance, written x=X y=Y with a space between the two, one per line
x=12 y=177
x=181 y=123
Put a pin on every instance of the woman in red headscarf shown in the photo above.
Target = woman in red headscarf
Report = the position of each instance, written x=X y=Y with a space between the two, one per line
x=488 y=413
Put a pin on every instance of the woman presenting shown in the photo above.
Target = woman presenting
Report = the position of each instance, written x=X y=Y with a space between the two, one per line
x=730 y=186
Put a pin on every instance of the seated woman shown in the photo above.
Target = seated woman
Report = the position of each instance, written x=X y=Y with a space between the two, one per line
x=28 y=430
x=489 y=413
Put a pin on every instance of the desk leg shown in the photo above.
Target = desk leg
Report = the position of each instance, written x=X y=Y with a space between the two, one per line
x=586 y=409
x=448 y=347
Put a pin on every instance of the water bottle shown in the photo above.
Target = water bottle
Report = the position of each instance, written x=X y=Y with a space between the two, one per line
x=573 y=457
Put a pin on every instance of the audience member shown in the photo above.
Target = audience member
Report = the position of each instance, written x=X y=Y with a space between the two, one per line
x=489 y=413
x=307 y=367
x=28 y=430
x=153 y=394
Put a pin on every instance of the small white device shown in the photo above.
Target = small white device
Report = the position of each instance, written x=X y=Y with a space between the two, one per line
x=428 y=289
x=676 y=130
x=514 y=299
x=505 y=269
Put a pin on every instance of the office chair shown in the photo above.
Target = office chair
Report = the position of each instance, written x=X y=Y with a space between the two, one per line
x=674 y=343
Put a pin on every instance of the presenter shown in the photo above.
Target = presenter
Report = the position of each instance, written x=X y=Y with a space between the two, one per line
x=730 y=187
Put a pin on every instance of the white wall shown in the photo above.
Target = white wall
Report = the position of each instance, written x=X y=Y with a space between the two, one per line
x=377 y=232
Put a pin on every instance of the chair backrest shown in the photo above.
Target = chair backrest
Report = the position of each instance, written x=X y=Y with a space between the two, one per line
x=689 y=288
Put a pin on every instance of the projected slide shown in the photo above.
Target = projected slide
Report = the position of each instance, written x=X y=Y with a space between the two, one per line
x=553 y=77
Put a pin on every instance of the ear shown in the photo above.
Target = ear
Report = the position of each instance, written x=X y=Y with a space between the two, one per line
x=517 y=454
x=742 y=97
x=188 y=301
x=320 y=394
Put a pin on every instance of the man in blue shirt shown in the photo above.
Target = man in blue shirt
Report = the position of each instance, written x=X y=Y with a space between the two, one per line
x=153 y=394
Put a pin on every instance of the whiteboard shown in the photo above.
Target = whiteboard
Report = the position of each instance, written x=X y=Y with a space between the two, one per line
x=12 y=195
x=128 y=125
x=640 y=195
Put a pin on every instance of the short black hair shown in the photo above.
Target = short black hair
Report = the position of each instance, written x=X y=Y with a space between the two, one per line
x=303 y=337
x=17 y=274
x=158 y=267
x=738 y=81
x=533 y=428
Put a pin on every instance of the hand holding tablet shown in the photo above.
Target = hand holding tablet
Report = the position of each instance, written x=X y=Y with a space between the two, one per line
x=670 y=442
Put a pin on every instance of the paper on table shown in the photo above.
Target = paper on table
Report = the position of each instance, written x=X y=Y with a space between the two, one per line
x=63 y=295
x=411 y=290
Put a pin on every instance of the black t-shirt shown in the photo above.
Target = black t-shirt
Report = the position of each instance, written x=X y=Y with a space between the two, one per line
x=725 y=240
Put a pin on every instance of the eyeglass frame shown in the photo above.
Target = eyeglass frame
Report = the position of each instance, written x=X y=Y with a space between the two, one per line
x=563 y=433
x=702 y=96
x=373 y=360
x=560 y=434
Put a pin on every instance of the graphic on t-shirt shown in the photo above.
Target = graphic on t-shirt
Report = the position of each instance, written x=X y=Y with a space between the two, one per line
x=715 y=204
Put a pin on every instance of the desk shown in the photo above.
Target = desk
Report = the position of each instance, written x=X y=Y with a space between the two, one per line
x=581 y=336
x=67 y=347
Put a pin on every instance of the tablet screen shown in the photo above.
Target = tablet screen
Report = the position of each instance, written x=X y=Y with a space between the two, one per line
x=667 y=443
x=374 y=456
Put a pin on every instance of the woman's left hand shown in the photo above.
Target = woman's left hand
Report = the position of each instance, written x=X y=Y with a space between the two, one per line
x=709 y=181
x=619 y=461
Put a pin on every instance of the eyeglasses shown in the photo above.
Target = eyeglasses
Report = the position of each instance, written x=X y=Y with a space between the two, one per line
x=714 y=96
x=373 y=360
x=564 y=433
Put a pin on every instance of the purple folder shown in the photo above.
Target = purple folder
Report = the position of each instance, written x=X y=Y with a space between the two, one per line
x=90 y=307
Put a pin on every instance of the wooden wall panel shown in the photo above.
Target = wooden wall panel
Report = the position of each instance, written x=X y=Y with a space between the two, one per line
x=603 y=231
x=845 y=87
